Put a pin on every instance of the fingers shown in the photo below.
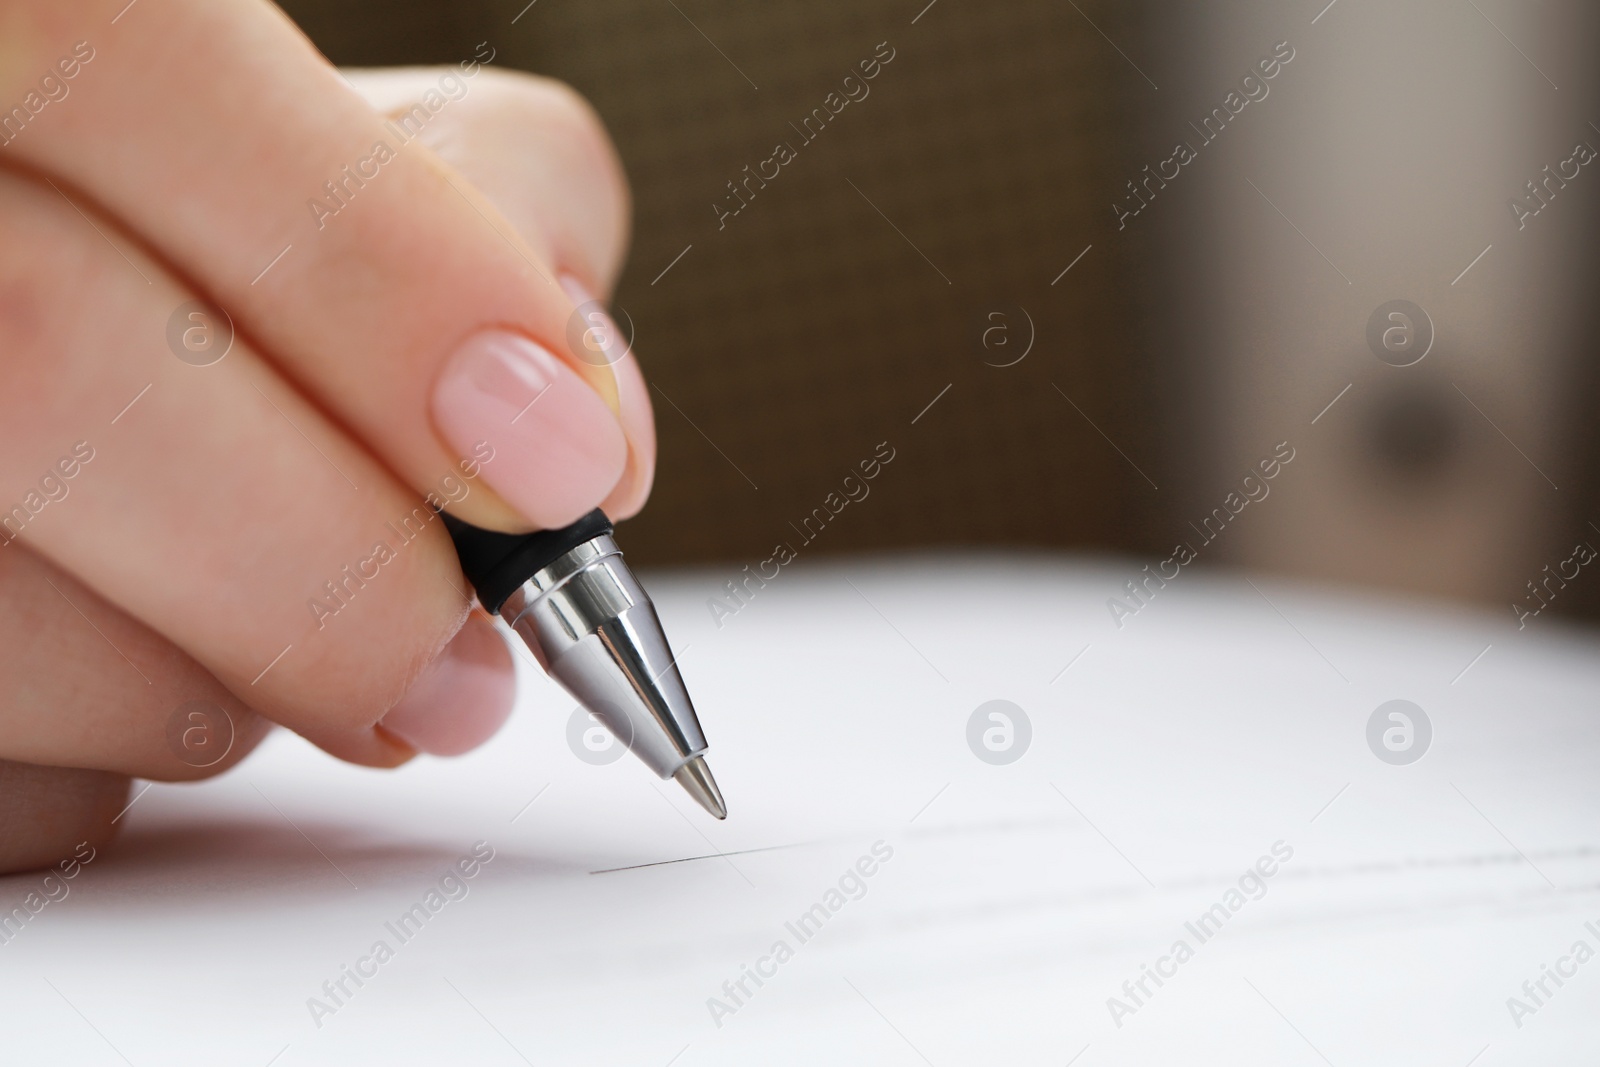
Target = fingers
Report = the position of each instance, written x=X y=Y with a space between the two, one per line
x=384 y=286
x=462 y=698
x=213 y=504
x=53 y=814
x=633 y=401
x=535 y=150
x=88 y=687
x=540 y=156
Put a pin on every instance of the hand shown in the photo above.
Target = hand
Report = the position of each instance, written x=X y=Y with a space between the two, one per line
x=195 y=547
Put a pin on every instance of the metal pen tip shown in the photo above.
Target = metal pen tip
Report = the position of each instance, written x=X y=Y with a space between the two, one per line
x=695 y=777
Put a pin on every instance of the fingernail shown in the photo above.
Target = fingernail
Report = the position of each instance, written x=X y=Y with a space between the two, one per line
x=462 y=698
x=558 y=449
x=600 y=339
x=638 y=422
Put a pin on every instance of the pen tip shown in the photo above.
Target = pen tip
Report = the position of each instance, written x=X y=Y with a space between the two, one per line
x=695 y=777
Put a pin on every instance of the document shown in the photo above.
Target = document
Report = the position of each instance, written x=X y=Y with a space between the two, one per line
x=977 y=815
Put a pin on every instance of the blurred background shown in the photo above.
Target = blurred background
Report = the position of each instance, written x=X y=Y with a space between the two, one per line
x=1085 y=265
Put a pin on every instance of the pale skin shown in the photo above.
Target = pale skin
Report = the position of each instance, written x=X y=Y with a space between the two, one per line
x=178 y=561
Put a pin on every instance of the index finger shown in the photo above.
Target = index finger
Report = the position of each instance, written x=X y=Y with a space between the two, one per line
x=377 y=279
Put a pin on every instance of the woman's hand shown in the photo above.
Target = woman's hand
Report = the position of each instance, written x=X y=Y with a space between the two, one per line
x=255 y=316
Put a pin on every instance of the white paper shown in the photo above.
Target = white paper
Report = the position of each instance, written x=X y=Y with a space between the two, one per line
x=1005 y=907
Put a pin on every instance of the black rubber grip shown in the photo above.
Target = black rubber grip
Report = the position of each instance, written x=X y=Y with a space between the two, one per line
x=497 y=563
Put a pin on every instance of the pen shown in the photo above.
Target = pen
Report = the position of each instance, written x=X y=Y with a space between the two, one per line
x=574 y=602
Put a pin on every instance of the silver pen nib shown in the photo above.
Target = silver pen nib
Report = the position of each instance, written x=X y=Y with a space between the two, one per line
x=596 y=632
x=695 y=777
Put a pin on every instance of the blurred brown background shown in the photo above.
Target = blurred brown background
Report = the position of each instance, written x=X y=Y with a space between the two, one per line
x=859 y=284
x=808 y=330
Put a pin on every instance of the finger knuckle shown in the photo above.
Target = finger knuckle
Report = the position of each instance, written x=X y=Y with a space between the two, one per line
x=57 y=817
x=549 y=101
x=558 y=111
x=205 y=738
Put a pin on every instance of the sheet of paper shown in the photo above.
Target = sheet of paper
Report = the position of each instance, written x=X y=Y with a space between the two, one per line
x=1197 y=857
